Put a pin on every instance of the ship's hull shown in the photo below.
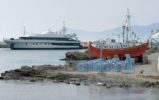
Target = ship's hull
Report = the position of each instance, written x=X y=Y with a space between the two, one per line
x=43 y=47
x=134 y=51
x=46 y=48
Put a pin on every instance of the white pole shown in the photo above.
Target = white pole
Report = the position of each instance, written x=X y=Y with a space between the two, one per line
x=101 y=51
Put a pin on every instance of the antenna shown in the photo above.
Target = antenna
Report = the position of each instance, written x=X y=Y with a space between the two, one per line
x=64 y=28
x=49 y=29
x=119 y=38
x=24 y=31
x=63 y=23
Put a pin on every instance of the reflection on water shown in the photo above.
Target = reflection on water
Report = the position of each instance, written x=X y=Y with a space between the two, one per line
x=24 y=90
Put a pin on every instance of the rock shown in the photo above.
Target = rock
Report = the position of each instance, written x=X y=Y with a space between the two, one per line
x=67 y=82
x=147 y=84
x=77 y=83
x=153 y=84
x=108 y=86
x=72 y=82
x=2 y=74
x=120 y=85
x=65 y=74
x=142 y=71
x=26 y=68
x=32 y=80
x=77 y=55
x=1 y=78
x=101 y=84
x=55 y=81
x=86 y=84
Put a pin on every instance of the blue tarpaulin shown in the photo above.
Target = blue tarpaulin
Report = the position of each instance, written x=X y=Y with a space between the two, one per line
x=114 y=64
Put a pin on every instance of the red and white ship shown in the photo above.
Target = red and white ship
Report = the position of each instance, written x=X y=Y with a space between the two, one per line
x=134 y=51
x=128 y=46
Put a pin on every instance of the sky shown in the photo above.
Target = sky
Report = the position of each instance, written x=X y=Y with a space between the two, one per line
x=90 y=15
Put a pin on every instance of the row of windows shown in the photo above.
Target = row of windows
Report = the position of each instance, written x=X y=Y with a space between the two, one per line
x=43 y=38
x=120 y=46
x=64 y=44
x=33 y=43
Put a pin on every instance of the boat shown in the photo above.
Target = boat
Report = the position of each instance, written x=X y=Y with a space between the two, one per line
x=134 y=51
x=47 y=40
x=129 y=46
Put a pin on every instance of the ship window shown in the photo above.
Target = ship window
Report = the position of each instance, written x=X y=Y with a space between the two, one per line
x=26 y=43
x=36 y=43
x=33 y=43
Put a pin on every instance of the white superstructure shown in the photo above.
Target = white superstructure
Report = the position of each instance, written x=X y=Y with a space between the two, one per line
x=47 y=40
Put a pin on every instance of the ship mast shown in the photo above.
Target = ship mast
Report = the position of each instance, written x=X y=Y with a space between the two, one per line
x=128 y=26
x=123 y=33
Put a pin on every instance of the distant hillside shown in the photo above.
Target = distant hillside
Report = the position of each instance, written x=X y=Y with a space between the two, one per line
x=142 y=31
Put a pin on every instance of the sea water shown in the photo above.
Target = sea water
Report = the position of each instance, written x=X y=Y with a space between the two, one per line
x=11 y=59
x=25 y=90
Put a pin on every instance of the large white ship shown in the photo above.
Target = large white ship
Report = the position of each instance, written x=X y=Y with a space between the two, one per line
x=47 y=40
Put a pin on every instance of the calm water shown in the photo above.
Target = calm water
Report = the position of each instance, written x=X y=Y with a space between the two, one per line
x=24 y=90
x=11 y=59
x=16 y=90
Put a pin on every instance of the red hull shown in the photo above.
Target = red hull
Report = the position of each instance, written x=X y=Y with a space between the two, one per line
x=135 y=51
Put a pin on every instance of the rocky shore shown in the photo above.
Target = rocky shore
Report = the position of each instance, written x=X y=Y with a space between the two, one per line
x=76 y=55
x=68 y=75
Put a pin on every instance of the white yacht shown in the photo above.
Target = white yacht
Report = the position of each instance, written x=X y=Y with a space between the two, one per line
x=48 y=40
